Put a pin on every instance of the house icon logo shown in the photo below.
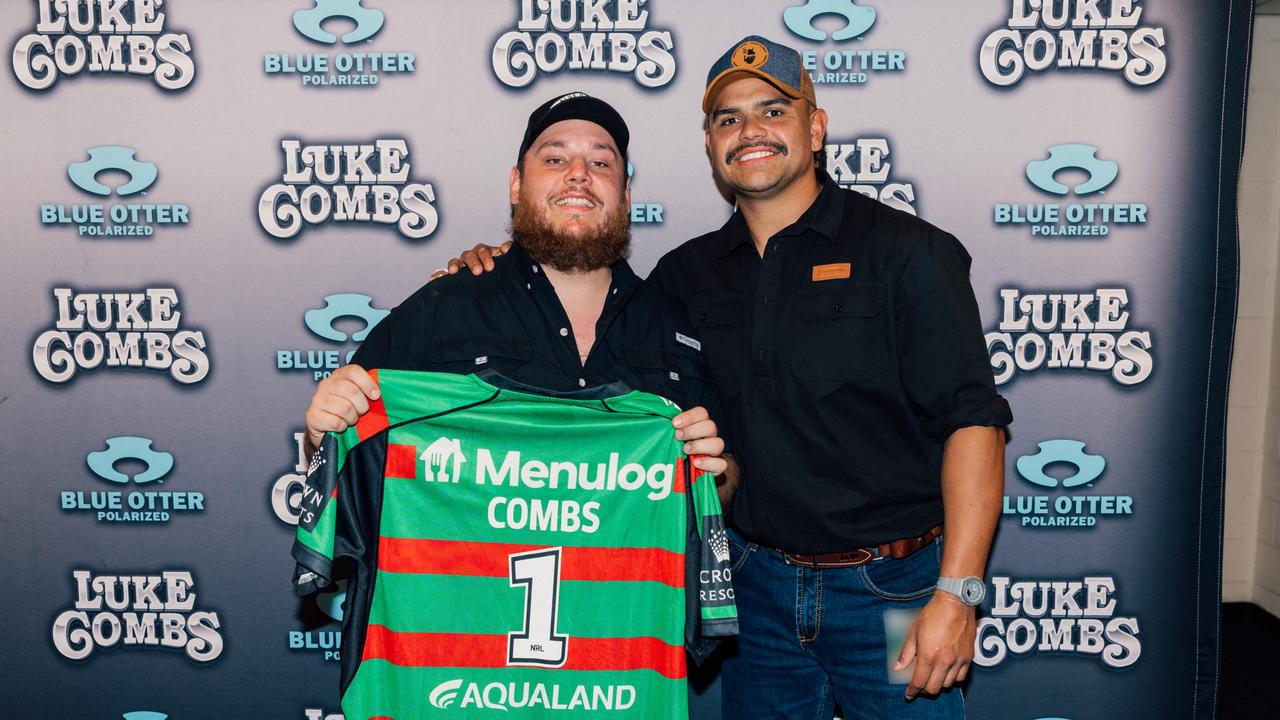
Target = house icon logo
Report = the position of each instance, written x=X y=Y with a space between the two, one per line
x=443 y=460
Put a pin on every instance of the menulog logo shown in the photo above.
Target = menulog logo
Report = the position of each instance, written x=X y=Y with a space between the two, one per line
x=1090 y=177
x=848 y=21
x=128 y=218
x=123 y=37
x=862 y=165
x=137 y=611
x=364 y=183
x=134 y=330
x=1067 y=35
x=604 y=36
x=343 y=69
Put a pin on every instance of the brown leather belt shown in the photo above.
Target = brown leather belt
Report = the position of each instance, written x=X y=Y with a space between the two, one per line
x=857 y=558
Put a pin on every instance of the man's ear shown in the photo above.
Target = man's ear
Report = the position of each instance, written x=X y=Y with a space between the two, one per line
x=817 y=129
x=515 y=185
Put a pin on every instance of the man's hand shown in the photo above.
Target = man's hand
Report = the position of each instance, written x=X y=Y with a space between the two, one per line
x=698 y=431
x=338 y=403
x=940 y=642
x=478 y=259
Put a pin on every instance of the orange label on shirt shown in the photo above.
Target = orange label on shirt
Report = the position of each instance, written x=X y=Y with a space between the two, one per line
x=834 y=271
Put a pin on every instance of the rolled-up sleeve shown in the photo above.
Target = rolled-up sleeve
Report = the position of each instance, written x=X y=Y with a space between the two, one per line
x=942 y=357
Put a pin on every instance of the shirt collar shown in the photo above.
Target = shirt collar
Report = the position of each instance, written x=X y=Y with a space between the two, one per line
x=624 y=279
x=822 y=217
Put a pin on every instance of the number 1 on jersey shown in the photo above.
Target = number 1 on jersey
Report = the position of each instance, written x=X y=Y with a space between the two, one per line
x=537 y=643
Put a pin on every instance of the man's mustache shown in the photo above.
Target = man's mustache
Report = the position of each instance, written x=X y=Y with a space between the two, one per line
x=729 y=156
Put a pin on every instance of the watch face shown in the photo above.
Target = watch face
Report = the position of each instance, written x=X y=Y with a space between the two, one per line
x=973 y=591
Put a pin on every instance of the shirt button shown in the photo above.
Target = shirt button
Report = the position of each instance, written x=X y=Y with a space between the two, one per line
x=528 y=286
x=535 y=269
x=582 y=382
x=839 y=307
x=702 y=317
x=564 y=332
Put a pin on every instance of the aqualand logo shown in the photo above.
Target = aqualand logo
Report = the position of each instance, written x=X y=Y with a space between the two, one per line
x=141 y=505
x=508 y=696
x=323 y=323
x=1086 y=217
x=346 y=68
x=840 y=67
x=121 y=219
x=1076 y=509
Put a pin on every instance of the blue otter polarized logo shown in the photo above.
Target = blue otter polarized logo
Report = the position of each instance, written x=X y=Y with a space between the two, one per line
x=1044 y=469
x=333 y=603
x=341 y=69
x=641 y=212
x=840 y=67
x=1088 y=216
x=122 y=219
x=143 y=505
x=323 y=323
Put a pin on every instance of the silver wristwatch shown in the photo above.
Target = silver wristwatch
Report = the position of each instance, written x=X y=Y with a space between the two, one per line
x=971 y=590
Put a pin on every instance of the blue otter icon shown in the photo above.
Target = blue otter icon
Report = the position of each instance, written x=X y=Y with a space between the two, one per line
x=320 y=321
x=1077 y=157
x=1088 y=467
x=368 y=22
x=127 y=447
x=799 y=20
x=112 y=157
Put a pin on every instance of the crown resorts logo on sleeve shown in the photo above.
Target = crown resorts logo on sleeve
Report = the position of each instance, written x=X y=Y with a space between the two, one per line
x=1080 y=331
x=123 y=504
x=1074 y=506
x=862 y=165
x=348 y=68
x=1056 y=617
x=1090 y=177
x=848 y=21
x=348 y=183
x=128 y=218
x=120 y=330
x=129 y=611
x=605 y=35
x=120 y=37
x=327 y=323
x=1041 y=36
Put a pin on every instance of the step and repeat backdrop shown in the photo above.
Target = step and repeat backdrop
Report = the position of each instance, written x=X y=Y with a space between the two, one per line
x=206 y=204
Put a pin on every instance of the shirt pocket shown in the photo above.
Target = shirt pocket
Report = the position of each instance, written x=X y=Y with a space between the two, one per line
x=721 y=329
x=473 y=354
x=837 y=333
x=662 y=368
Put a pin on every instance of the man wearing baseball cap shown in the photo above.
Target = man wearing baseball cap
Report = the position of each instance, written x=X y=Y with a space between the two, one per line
x=566 y=313
x=845 y=342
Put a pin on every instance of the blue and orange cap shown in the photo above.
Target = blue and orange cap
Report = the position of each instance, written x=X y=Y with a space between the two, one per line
x=776 y=64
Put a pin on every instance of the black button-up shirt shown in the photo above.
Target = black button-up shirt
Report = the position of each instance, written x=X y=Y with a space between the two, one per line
x=511 y=321
x=844 y=357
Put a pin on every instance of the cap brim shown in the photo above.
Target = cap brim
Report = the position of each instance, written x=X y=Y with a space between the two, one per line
x=728 y=76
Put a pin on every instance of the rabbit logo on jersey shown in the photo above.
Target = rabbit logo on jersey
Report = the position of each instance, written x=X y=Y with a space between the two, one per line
x=128 y=330
x=848 y=21
x=1081 y=331
x=341 y=310
x=1073 y=508
x=1068 y=617
x=343 y=69
x=348 y=183
x=862 y=165
x=122 y=219
x=122 y=37
x=1074 y=35
x=603 y=36
x=128 y=611
x=1086 y=217
x=466 y=695
x=147 y=504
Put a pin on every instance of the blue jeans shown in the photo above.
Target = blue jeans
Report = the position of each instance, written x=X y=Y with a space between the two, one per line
x=811 y=639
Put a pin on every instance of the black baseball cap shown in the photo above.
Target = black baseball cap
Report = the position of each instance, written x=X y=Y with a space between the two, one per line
x=576 y=106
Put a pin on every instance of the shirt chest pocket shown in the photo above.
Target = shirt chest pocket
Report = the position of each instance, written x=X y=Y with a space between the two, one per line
x=473 y=354
x=721 y=327
x=837 y=333
x=660 y=368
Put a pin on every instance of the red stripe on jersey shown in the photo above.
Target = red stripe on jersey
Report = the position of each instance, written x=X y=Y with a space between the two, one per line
x=452 y=557
x=678 y=485
x=402 y=460
x=468 y=650
x=374 y=421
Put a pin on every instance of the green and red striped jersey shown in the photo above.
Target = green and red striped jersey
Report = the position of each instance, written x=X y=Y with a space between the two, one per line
x=515 y=553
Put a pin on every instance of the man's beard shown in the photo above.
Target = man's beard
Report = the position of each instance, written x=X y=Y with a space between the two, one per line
x=601 y=247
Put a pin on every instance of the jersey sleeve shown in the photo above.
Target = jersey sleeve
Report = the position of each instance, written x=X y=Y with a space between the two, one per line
x=328 y=522
x=711 y=612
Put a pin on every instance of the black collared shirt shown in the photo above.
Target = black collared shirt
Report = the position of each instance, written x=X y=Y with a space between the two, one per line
x=844 y=358
x=511 y=321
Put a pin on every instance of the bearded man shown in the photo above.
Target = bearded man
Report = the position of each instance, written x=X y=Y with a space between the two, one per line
x=565 y=312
